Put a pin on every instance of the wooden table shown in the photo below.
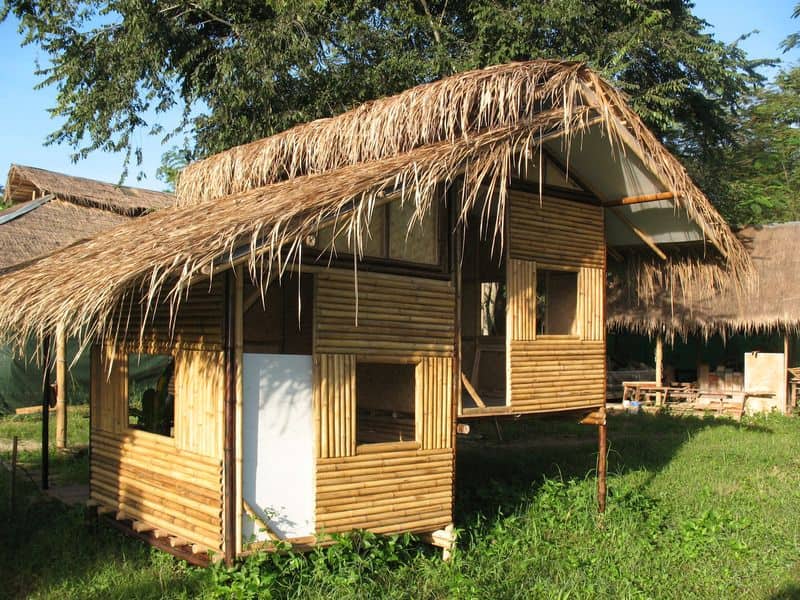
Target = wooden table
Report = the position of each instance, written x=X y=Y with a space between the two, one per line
x=649 y=392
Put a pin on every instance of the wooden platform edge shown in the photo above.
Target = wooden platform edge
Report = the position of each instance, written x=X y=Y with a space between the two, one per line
x=183 y=549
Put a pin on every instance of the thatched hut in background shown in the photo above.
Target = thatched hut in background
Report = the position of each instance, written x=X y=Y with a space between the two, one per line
x=713 y=328
x=49 y=211
x=325 y=307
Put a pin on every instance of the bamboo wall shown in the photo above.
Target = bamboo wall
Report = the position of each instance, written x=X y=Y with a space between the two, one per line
x=171 y=483
x=197 y=324
x=555 y=372
x=391 y=487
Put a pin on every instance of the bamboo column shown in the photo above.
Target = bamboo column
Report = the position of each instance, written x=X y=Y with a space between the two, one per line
x=659 y=365
x=786 y=363
x=61 y=388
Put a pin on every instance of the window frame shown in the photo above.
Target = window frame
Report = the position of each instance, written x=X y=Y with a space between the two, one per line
x=375 y=447
x=563 y=269
x=135 y=431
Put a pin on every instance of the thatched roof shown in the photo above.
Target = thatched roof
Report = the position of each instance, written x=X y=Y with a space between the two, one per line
x=262 y=200
x=32 y=229
x=24 y=183
x=672 y=306
x=51 y=210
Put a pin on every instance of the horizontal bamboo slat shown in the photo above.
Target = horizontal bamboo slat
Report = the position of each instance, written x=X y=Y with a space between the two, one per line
x=197 y=324
x=555 y=230
x=388 y=493
x=153 y=481
x=395 y=315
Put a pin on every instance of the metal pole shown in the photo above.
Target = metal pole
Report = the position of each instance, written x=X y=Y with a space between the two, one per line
x=46 y=413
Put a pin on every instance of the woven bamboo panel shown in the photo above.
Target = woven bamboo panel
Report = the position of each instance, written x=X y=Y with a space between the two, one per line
x=148 y=479
x=557 y=374
x=555 y=231
x=109 y=391
x=388 y=492
x=521 y=308
x=591 y=283
x=335 y=404
x=434 y=410
x=199 y=393
x=396 y=316
x=198 y=322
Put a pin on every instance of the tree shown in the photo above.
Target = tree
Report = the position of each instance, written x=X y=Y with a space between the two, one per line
x=793 y=40
x=762 y=169
x=245 y=70
x=172 y=162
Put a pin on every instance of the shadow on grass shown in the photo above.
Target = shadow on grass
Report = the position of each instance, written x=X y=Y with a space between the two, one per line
x=790 y=592
x=49 y=548
x=497 y=476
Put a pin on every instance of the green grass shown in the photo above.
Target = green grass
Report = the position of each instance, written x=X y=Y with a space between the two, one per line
x=697 y=509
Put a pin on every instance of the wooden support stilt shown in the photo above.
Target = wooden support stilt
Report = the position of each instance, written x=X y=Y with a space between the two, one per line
x=659 y=359
x=61 y=388
x=602 y=467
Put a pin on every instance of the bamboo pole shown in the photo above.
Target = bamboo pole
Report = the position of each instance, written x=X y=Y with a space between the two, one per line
x=659 y=358
x=61 y=388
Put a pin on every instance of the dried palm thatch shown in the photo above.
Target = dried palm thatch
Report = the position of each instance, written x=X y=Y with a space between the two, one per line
x=261 y=201
x=446 y=110
x=25 y=182
x=693 y=296
x=28 y=232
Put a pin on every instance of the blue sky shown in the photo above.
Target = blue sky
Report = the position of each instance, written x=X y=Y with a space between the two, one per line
x=25 y=122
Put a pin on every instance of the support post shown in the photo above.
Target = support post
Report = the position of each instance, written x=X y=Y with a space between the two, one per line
x=46 y=413
x=239 y=358
x=61 y=388
x=659 y=358
x=786 y=363
x=602 y=466
x=229 y=419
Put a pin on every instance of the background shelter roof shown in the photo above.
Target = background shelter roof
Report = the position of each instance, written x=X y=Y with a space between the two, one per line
x=261 y=201
x=48 y=225
x=23 y=183
x=708 y=304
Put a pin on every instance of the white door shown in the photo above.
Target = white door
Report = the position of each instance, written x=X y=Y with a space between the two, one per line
x=278 y=445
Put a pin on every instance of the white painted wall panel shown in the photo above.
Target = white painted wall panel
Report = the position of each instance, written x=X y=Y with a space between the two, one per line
x=278 y=444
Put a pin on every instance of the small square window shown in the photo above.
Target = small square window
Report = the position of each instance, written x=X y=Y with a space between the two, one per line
x=556 y=302
x=151 y=393
x=385 y=398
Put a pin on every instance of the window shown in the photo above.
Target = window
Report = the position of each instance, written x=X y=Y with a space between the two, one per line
x=151 y=393
x=392 y=236
x=556 y=302
x=385 y=398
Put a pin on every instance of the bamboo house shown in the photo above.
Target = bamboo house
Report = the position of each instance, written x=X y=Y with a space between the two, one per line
x=323 y=307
